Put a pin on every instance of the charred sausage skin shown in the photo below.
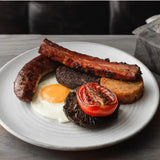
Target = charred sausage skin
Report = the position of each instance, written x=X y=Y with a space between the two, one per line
x=29 y=76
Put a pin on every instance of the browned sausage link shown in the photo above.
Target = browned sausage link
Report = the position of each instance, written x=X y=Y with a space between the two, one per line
x=86 y=63
x=29 y=76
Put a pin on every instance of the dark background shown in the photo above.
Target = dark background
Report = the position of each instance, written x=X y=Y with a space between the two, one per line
x=72 y=17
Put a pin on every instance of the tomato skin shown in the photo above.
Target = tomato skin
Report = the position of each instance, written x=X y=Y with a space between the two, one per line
x=99 y=107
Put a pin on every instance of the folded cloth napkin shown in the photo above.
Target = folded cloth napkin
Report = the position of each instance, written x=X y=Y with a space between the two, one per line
x=148 y=43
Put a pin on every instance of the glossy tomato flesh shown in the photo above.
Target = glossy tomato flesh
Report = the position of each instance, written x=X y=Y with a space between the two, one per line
x=96 y=100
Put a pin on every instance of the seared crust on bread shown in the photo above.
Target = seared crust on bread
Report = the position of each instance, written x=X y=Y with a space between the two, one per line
x=75 y=114
x=89 y=64
x=127 y=92
x=29 y=76
x=72 y=78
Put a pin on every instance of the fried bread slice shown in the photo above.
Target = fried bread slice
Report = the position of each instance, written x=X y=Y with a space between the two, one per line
x=127 y=92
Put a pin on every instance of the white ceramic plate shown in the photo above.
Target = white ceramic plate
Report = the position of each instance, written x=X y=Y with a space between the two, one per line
x=19 y=120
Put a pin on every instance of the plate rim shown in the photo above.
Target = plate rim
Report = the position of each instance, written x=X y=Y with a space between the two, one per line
x=55 y=147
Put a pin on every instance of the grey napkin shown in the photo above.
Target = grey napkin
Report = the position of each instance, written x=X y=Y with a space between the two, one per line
x=148 y=45
x=153 y=25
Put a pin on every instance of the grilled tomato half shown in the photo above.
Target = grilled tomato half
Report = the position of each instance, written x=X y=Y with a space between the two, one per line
x=96 y=100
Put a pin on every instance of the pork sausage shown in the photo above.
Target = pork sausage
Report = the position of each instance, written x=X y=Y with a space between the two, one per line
x=29 y=76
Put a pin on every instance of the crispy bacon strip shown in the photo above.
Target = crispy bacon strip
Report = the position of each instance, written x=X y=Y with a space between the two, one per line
x=89 y=64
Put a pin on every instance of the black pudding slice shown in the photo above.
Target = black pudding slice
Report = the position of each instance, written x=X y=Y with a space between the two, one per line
x=75 y=114
x=73 y=78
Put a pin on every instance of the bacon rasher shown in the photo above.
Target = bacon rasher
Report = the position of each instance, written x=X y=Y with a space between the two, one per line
x=89 y=64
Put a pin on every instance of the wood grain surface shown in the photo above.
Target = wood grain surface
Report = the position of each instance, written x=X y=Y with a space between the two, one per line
x=145 y=145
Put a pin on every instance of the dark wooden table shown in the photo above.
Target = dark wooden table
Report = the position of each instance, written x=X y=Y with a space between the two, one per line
x=144 y=145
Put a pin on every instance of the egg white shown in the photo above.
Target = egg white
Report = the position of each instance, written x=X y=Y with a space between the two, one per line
x=47 y=109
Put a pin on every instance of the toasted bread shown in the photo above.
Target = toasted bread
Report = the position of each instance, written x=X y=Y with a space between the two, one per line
x=127 y=92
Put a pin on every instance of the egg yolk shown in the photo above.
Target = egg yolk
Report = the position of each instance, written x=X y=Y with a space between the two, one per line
x=54 y=93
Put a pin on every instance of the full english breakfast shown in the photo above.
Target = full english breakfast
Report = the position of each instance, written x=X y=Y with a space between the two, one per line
x=69 y=86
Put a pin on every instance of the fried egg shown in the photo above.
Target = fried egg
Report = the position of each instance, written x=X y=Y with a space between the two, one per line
x=49 y=98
